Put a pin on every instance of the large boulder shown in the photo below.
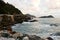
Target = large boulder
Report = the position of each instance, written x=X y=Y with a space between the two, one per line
x=49 y=38
x=5 y=35
x=34 y=37
x=25 y=38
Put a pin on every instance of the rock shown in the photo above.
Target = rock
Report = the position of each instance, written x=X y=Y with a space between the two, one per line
x=30 y=37
x=25 y=35
x=53 y=25
x=55 y=34
x=34 y=37
x=2 y=38
x=50 y=16
x=6 y=35
x=17 y=35
x=29 y=15
x=48 y=38
x=25 y=38
x=33 y=21
x=20 y=36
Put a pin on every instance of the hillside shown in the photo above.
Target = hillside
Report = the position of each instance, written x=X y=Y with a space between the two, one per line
x=6 y=8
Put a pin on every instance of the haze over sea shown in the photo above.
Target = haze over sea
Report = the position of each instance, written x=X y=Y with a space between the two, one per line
x=41 y=28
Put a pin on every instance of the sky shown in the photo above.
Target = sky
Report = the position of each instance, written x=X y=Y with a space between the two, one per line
x=37 y=7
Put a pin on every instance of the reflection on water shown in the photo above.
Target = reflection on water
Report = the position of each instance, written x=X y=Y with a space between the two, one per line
x=41 y=28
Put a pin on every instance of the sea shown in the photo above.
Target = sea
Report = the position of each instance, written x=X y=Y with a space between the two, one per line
x=42 y=28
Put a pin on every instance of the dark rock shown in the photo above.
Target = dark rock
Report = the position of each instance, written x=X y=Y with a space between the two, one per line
x=34 y=37
x=30 y=37
x=22 y=37
x=25 y=35
x=55 y=34
x=29 y=15
x=19 y=17
x=53 y=25
x=5 y=35
x=33 y=21
x=50 y=16
x=49 y=38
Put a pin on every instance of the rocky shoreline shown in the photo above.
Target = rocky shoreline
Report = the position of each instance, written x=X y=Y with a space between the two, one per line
x=19 y=36
x=10 y=15
x=7 y=33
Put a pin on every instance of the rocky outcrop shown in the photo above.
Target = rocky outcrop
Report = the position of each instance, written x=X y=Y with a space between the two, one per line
x=53 y=25
x=55 y=34
x=28 y=17
x=34 y=37
x=33 y=21
x=49 y=38
x=50 y=16
x=6 y=8
x=29 y=37
x=19 y=36
x=31 y=16
x=6 y=23
x=7 y=32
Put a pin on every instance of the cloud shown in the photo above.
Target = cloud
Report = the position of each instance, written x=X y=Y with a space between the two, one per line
x=37 y=7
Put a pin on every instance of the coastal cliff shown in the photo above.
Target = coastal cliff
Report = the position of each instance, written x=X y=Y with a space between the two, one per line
x=18 y=16
x=7 y=32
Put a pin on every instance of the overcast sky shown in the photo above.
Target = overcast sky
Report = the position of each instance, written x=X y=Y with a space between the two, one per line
x=37 y=7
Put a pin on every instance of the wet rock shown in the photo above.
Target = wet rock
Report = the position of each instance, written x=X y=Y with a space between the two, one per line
x=5 y=35
x=53 y=25
x=48 y=38
x=25 y=38
x=20 y=36
x=34 y=37
x=33 y=21
x=55 y=34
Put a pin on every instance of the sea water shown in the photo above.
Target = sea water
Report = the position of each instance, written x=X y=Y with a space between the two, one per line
x=40 y=28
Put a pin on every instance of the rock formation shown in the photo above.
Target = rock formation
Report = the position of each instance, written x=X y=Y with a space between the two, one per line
x=50 y=16
x=6 y=8
x=29 y=15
